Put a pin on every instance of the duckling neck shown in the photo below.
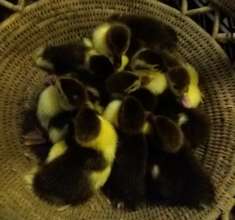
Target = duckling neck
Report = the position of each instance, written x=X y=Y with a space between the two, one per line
x=64 y=103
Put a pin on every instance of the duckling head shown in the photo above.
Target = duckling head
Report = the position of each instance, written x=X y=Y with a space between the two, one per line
x=148 y=59
x=72 y=91
x=112 y=39
x=131 y=117
x=86 y=125
x=178 y=80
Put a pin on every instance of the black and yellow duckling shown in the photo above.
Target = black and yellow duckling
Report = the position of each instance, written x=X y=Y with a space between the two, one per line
x=196 y=126
x=123 y=82
x=95 y=85
x=168 y=134
x=56 y=106
x=184 y=83
x=174 y=176
x=112 y=39
x=147 y=32
x=146 y=58
x=147 y=99
x=194 y=123
x=61 y=59
x=153 y=80
x=79 y=165
x=177 y=179
x=126 y=183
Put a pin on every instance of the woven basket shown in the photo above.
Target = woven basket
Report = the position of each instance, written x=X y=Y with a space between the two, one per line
x=62 y=21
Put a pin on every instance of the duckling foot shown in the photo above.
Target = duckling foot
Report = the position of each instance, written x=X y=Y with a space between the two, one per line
x=34 y=138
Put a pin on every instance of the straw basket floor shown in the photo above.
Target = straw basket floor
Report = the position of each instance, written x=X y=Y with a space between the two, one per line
x=62 y=21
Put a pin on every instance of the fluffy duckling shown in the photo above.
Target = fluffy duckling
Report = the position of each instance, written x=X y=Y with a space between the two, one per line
x=61 y=58
x=112 y=39
x=184 y=83
x=111 y=111
x=174 y=176
x=154 y=80
x=193 y=96
x=146 y=58
x=147 y=99
x=95 y=85
x=196 y=126
x=168 y=134
x=60 y=100
x=101 y=66
x=122 y=83
x=168 y=105
x=147 y=32
x=128 y=187
x=177 y=179
x=70 y=57
x=127 y=82
x=81 y=164
x=194 y=123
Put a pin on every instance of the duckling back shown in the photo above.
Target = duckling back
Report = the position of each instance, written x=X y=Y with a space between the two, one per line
x=48 y=105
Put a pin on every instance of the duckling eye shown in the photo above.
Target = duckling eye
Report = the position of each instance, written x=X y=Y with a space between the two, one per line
x=75 y=97
x=180 y=89
x=145 y=80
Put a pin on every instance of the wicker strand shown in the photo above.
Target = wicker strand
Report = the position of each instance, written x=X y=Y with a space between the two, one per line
x=12 y=6
x=216 y=25
x=197 y=11
x=225 y=38
x=226 y=215
x=21 y=3
x=184 y=6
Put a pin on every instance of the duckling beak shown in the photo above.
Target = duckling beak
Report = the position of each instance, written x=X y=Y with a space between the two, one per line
x=185 y=102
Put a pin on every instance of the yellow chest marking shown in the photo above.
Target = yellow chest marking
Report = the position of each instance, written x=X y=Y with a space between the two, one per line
x=57 y=150
x=105 y=142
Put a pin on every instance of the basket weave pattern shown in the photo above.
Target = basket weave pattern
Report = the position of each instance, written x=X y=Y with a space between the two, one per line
x=62 y=21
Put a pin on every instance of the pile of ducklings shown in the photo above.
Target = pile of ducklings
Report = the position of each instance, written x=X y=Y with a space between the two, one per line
x=120 y=114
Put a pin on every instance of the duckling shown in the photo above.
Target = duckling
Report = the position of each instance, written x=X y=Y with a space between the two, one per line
x=99 y=135
x=178 y=80
x=147 y=99
x=194 y=123
x=126 y=183
x=174 y=176
x=66 y=96
x=193 y=97
x=147 y=58
x=59 y=124
x=122 y=83
x=111 y=111
x=55 y=109
x=101 y=66
x=154 y=80
x=177 y=179
x=147 y=32
x=95 y=85
x=112 y=39
x=82 y=162
x=184 y=83
x=196 y=126
x=61 y=59
x=168 y=134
